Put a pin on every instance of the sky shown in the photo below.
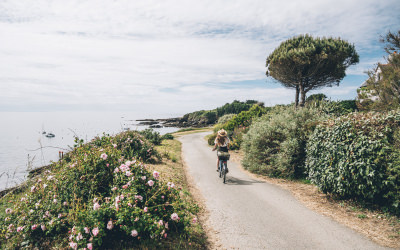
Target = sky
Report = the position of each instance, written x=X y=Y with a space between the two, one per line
x=170 y=56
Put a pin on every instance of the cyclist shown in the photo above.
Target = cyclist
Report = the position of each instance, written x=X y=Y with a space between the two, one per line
x=222 y=143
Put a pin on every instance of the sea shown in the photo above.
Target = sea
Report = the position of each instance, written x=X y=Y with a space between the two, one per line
x=24 y=145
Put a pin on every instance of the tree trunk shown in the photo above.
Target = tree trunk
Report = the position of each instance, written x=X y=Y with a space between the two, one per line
x=302 y=96
x=296 y=100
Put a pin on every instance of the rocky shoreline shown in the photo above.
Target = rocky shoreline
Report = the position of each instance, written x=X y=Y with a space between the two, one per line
x=178 y=122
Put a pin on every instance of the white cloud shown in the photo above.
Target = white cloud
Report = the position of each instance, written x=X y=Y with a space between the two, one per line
x=122 y=53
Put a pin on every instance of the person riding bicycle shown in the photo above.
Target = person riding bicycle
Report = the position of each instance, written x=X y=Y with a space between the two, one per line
x=221 y=143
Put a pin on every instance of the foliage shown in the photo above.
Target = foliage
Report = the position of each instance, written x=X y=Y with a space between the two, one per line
x=382 y=89
x=317 y=97
x=223 y=119
x=244 y=118
x=306 y=63
x=99 y=194
x=167 y=136
x=207 y=117
x=357 y=156
x=335 y=108
x=152 y=136
x=275 y=144
x=203 y=117
x=235 y=107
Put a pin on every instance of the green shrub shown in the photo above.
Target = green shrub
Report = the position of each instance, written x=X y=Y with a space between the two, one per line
x=98 y=195
x=244 y=118
x=357 y=156
x=152 y=136
x=316 y=97
x=275 y=144
x=336 y=108
x=225 y=118
x=235 y=107
x=167 y=137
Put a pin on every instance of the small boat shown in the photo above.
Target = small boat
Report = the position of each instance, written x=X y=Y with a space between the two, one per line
x=44 y=132
x=50 y=135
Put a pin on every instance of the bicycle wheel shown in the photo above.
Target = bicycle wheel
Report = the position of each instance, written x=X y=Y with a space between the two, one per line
x=224 y=171
x=220 y=170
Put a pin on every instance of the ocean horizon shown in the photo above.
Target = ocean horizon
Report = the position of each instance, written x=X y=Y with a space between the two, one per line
x=24 y=145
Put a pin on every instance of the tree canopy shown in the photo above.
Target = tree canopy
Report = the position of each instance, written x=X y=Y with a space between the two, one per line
x=384 y=81
x=305 y=63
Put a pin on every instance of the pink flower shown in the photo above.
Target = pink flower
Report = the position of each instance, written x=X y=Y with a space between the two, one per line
x=143 y=177
x=8 y=211
x=95 y=231
x=134 y=233
x=34 y=227
x=55 y=201
x=125 y=186
x=114 y=188
x=136 y=219
x=145 y=209
x=129 y=204
x=139 y=197
x=170 y=185
x=156 y=174
x=47 y=214
x=194 y=220
x=33 y=189
x=174 y=216
x=96 y=206
x=65 y=203
x=43 y=227
x=107 y=165
x=59 y=216
x=87 y=230
x=73 y=245
x=151 y=183
x=162 y=196
x=128 y=163
x=19 y=229
x=116 y=170
x=90 y=246
x=128 y=173
x=110 y=225
x=44 y=185
x=160 y=222
x=165 y=235
x=103 y=156
x=124 y=168
x=79 y=237
x=114 y=145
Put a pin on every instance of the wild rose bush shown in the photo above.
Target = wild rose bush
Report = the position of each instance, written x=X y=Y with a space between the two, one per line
x=97 y=195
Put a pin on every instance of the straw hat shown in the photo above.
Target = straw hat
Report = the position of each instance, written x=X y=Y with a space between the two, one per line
x=222 y=133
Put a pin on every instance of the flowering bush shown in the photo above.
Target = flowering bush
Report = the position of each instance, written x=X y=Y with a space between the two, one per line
x=99 y=193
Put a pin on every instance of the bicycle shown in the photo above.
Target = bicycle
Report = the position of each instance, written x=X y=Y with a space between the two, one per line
x=223 y=164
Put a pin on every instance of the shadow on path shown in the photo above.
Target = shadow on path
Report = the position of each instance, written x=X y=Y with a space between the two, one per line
x=230 y=180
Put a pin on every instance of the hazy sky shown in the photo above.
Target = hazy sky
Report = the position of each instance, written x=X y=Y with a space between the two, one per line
x=158 y=56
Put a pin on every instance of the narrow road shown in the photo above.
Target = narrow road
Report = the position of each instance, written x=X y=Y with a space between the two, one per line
x=251 y=214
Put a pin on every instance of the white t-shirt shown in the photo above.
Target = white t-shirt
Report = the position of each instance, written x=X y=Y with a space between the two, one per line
x=226 y=142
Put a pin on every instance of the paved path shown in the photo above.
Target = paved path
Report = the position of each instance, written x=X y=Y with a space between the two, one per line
x=251 y=214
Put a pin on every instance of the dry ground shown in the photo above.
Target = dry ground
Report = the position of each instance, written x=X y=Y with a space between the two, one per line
x=379 y=227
